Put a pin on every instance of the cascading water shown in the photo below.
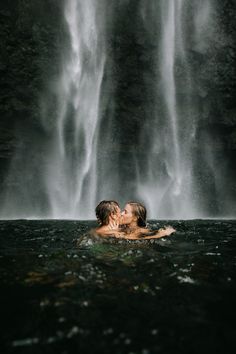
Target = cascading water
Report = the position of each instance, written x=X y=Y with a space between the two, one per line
x=168 y=187
x=113 y=126
x=71 y=174
x=54 y=174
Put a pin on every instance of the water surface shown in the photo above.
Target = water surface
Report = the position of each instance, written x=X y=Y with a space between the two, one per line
x=173 y=295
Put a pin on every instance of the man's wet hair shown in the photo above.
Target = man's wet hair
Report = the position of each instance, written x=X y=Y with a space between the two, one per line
x=104 y=209
x=140 y=212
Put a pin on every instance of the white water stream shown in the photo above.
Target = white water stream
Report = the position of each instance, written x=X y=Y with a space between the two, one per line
x=171 y=192
x=71 y=175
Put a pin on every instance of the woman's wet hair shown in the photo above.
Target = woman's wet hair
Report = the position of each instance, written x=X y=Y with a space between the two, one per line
x=140 y=212
x=104 y=209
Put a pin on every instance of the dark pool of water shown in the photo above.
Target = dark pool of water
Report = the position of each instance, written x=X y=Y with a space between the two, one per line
x=175 y=295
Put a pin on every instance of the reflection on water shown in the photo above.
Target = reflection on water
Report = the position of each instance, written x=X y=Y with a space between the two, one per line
x=175 y=294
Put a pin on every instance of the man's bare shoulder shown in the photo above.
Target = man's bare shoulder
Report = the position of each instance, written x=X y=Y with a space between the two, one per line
x=104 y=232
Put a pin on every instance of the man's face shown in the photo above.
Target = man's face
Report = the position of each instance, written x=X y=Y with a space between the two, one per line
x=116 y=216
x=127 y=215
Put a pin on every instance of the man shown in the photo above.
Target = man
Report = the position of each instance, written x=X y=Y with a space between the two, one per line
x=108 y=215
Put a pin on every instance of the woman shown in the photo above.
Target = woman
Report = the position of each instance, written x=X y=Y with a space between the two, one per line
x=133 y=220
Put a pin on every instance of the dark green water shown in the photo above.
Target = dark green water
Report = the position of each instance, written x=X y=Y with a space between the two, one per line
x=175 y=295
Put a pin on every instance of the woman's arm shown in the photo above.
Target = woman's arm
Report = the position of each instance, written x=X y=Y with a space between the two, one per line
x=146 y=234
x=159 y=233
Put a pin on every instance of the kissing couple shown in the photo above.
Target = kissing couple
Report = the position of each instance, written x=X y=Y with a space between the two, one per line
x=130 y=224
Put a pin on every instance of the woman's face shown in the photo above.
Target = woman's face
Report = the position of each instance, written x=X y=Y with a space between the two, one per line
x=127 y=216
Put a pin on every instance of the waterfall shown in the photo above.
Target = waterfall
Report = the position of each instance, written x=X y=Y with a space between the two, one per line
x=167 y=65
x=121 y=118
x=168 y=187
x=54 y=171
x=71 y=174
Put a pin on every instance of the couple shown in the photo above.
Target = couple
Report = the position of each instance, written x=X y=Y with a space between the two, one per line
x=128 y=224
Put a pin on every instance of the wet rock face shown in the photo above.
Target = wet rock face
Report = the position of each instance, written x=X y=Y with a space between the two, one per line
x=31 y=36
x=219 y=79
